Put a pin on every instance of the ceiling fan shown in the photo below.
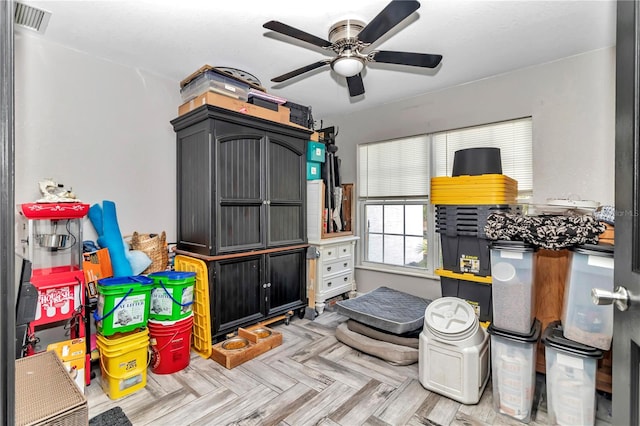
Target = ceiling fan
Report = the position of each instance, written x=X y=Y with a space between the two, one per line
x=349 y=38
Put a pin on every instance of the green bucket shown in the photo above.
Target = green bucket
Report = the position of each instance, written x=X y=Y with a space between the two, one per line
x=123 y=304
x=172 y=295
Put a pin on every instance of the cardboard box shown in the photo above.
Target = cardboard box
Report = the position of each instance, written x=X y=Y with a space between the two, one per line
x=96 y=266
x=72 y=355
x=211 y=98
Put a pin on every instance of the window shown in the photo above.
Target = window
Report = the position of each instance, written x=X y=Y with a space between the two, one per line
x=393 y=189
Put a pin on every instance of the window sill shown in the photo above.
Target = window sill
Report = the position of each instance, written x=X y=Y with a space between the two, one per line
x=426 y=274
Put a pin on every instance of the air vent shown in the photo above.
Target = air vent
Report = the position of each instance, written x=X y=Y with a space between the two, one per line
x=31 y=18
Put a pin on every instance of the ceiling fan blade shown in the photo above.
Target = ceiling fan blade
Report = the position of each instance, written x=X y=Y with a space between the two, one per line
x=392 y=15
x=299 y=71
x=287 y=30
x=356 y=86
x=425 y=60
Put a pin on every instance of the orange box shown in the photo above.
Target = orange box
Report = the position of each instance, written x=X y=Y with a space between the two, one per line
x=96 y=266
x=226 y=102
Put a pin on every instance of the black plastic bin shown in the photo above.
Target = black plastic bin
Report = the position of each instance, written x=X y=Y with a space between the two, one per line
x=477 y=161
x=300 y=114
x=466 y=254
x=477 y=293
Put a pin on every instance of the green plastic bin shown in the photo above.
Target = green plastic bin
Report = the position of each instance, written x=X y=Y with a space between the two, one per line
x=123 y=304
x=172 y=295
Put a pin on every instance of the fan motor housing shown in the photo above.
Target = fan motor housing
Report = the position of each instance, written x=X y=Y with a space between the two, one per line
x=345 y=30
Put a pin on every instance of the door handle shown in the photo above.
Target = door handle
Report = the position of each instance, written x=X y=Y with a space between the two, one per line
x=620 y=297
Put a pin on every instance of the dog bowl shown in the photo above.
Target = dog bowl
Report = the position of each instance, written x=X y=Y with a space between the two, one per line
x=235 y=343
x=262 y=333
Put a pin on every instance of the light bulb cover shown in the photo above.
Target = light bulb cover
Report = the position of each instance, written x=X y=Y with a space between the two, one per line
x=348 y=66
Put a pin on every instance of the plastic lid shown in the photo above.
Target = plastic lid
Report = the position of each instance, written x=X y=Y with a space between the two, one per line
x=511 y=246
x=605 y=250
x=553 y=338
x=173 y=275
x=503 y=271
x=138 y=279
x=450 y=318
x=530 y=337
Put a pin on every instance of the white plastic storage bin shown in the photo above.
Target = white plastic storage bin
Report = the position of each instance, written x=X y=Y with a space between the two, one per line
x=571 y=378
x=215 y=82
x=591 y=266
x=513 y=293
x=453 y=351
x=513 y=366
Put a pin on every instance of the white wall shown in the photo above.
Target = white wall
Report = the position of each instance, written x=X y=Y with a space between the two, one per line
x=572 y=102
x=98 y=127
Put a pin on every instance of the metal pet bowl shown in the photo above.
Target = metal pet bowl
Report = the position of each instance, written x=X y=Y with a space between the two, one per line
x=235 y=343
x=262 y=333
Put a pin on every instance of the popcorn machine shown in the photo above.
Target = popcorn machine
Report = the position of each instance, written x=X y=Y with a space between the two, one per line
x=50 y=236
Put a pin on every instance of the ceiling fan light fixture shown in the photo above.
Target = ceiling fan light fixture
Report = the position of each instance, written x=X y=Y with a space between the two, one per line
x=348 y=66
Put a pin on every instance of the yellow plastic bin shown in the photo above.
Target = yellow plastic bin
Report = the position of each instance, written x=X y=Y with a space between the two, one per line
x=123 y=362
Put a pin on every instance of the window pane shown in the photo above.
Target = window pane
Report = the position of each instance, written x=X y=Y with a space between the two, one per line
x=374 y=218
x=415 y=220
x=393 y=250
x=393 y=219
x=374 y=248
x=415 y=251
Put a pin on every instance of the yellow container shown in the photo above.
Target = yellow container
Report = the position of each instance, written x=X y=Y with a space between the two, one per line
x=123 y=362
x=482 y=189
x=72 y=355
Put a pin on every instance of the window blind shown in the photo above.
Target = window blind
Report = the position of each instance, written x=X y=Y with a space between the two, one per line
x=514 y=138
x=396 y=168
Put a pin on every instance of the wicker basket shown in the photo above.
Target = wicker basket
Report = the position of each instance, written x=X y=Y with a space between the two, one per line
x=154 y=246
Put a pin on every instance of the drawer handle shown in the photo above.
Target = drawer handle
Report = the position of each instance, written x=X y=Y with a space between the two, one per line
x=329 y=253
x=346 y=279
x=344 y=250
x=329 y=284
x=345 y=264
x=328 y=268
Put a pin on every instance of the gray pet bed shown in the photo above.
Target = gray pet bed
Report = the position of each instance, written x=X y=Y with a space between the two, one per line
x=386 y=309
x=390 y=352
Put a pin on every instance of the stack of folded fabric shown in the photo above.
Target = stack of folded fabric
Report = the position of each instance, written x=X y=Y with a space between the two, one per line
x=384 y=323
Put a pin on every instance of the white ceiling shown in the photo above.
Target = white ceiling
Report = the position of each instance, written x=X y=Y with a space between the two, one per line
x=477 y=38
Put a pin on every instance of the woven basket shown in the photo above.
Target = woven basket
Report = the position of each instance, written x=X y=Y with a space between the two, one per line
x=154 y=246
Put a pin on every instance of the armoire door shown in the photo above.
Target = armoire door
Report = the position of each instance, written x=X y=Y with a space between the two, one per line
x=285 y=288
x=237 y=293
x=240 y=188
x=286 y=190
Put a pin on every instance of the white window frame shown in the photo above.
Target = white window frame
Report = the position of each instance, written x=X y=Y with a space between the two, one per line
x=433 y=241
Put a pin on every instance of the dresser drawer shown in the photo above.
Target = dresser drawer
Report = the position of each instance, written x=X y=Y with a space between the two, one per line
x=337 y=281
x=345 y=250
x=329 y=253
x=337 y=266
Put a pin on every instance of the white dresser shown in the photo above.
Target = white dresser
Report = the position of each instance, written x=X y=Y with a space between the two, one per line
x=334 y=274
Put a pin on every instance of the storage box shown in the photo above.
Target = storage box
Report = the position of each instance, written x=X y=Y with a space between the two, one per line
x=263 y=103
x=482 y=189
x=215 y=82
x=513 y=292
x=571 y=378
x=470 y=220
x=72 y=355
x=96 y=266
x=45 y=393
x=313 y=170
x=210 y=98
x=513 y=365
x=466 y=254
x=474 y=289
x=316 y=151
x=300 y=114
x=591 y=266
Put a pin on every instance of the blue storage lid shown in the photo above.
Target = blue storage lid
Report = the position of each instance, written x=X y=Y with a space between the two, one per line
x=138 y=279
x=531 y=337
x=173 y=275
x=554 y=338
